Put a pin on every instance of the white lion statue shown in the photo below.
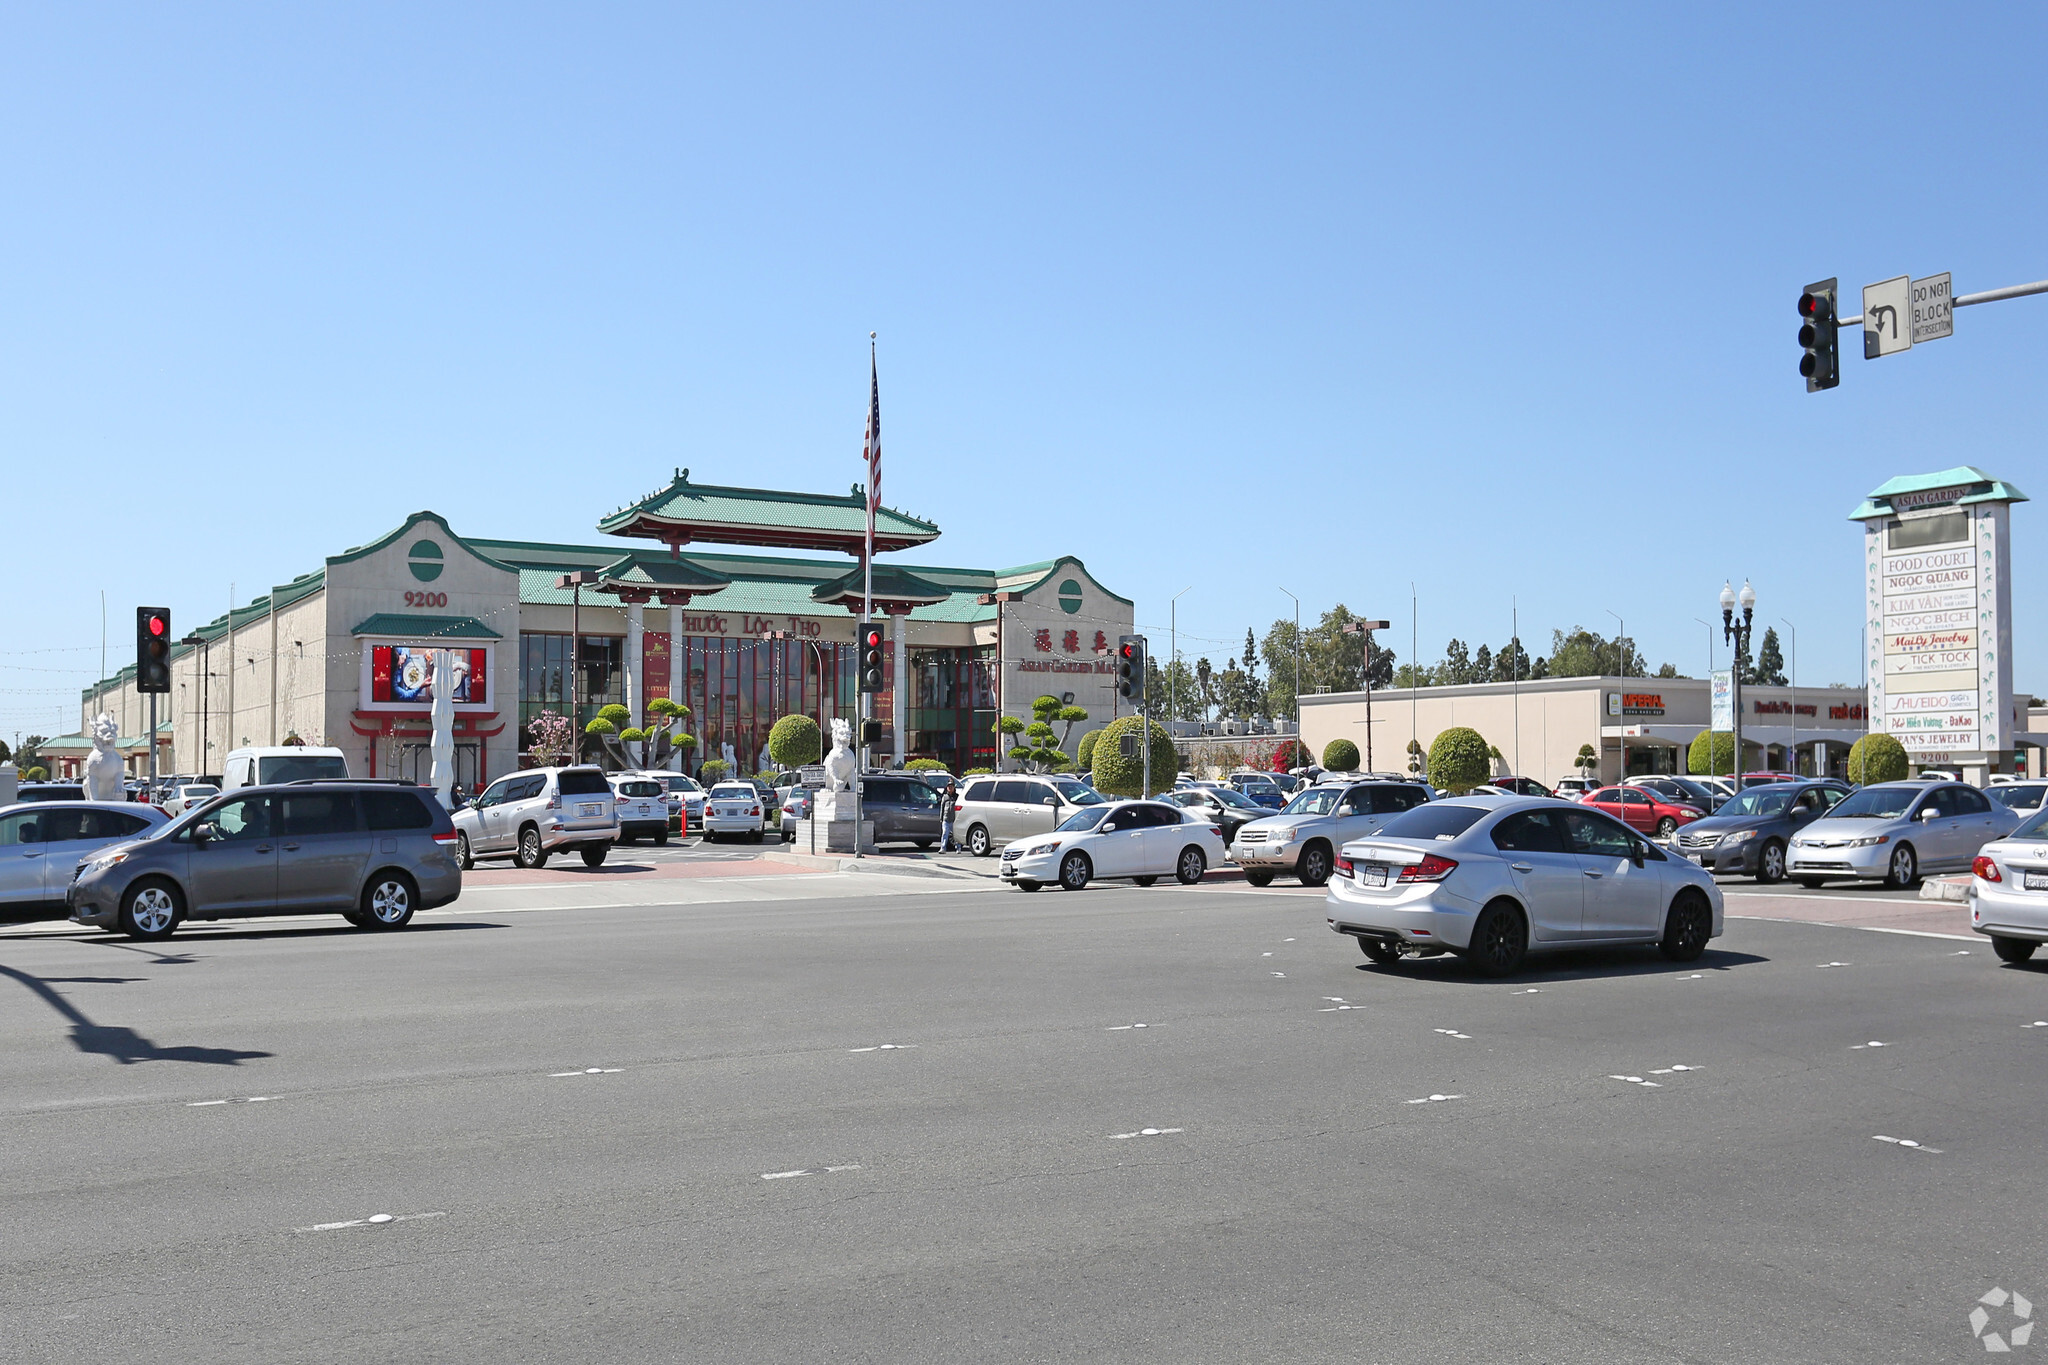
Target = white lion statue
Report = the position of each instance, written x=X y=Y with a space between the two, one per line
x=105 y=776
x=840 y=762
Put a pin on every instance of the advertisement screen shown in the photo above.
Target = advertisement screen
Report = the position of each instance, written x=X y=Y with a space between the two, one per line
x=405 y=673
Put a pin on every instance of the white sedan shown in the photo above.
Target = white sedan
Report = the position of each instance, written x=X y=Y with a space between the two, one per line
x=188 y=795
x=733 y=808
x=2009 y=890
x=1142 y=840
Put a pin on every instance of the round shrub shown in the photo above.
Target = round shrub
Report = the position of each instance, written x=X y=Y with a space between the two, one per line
x=664 y=706
x=1459 y=760
x=1116 y=775
x=1085 y=754
x=795 y=741
x=1340 y=756
x=1712 y=754
x=1876 y=758
x=633 y=733
x=978 y=772
x=36 y=774
x=600 y=726
x=924 y=765
x=714 y=771
x=616 y=714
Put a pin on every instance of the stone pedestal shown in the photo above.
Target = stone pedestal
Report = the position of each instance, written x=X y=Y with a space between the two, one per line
x=833 y=836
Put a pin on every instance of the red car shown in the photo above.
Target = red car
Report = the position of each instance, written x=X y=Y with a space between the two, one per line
x=1643 y=810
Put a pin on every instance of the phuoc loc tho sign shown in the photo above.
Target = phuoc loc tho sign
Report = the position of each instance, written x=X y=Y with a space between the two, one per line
x=1938 y=612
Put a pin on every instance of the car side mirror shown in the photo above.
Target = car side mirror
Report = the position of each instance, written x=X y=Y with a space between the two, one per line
x=1052 y=800
x=1109 y=827
x=1927 y=813
x=202 y=832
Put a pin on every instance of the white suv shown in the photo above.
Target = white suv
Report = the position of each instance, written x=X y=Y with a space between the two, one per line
x=540 y=811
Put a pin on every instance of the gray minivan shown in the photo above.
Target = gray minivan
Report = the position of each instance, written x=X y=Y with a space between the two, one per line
x=991 y=811
x=370 y=852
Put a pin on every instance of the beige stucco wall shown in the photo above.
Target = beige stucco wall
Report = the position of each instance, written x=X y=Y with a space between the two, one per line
x=1029 y=672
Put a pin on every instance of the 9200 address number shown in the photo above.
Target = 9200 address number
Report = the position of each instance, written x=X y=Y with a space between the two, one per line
x=426 y=599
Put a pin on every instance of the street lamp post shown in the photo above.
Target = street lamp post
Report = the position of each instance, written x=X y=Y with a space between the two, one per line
x=1297 y=672
x=575 y=582
x=1736 y=634
x=996 y=600
x=1173 y=653
x=195 y=638
x=1795 y=697
x=1620 y=671
x=1365 y=628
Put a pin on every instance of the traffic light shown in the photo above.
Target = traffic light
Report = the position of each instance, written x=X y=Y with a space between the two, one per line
x=1130 y=668
x=1822 y=363
x=152 y=649
x=870 y=641
x=870 y=733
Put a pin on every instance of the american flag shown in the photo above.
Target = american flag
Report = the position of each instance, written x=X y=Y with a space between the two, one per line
x=872 y=451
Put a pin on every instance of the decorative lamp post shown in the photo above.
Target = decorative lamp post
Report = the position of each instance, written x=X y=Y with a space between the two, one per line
x=1365 y=628
x=1736 y=634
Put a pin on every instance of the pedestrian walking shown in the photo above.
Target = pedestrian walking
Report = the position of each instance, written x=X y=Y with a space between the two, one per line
x=947 y=798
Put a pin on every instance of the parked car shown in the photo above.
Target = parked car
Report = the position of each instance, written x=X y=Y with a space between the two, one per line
x=1681 y=791
x=532 y=815
x=797 y=805
x=1894 y=831
x=42 y=843
x=1522 y=786
x=1225 y=807
x=1304 y=838
x=904 y=808
x=1260 y=789
x=281 y=763
x=991 y=811
x=185 y=797
x=2019 y=796
x=642 y=807
x=375 y=854
x=1643 y=810
x=2009 y=890
x=685 y=799
x=1749 y=834
x=1574 y=788
x=1758 y=779
x=1496 y=878
x=733 y=809
x=1142 y=840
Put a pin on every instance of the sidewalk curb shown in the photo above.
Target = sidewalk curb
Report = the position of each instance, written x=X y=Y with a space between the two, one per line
x=1945 y=889
x=901 y=865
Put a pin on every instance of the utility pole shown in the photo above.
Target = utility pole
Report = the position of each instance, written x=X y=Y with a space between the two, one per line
x=1364 y=628
x=575 y=583
x=1795 y=695
x=1173 y=653
x=1297 y=671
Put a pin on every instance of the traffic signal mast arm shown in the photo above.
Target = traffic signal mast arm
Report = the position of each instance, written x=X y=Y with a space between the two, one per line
x=2012 y=291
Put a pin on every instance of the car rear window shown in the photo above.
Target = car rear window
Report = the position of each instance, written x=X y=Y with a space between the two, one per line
x=582 y=782
x=1433 y=820
x=396 y=810
x=734 y=791
x=640 y=789
x=297 y=768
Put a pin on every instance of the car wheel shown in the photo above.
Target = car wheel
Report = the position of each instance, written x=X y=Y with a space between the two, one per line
x=357 y=918
x=1905 y=868
x=1258 y=876
x=1192 y=864
x=388 y=901
x=1145 y=881
x=593 y=856
x=151 y=910
x=1075 y=869
x=1381 y=952
x=1770 y=862
x=463 y=859
x=1313 y=867
x=661 y=839
x=1810 y=883
x=530 y=853
x=924 y=843
x=1687 y=928
x=977 y=841
x=1500 y=938
x=1666 y=827
x=1025 y=886
x=2013 y=949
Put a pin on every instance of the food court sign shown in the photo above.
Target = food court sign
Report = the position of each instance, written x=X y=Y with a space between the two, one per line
x=1938 y=611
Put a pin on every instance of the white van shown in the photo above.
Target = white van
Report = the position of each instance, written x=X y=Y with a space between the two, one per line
x=285 y=763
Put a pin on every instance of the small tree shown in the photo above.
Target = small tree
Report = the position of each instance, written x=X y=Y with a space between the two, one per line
x=1120 y=776
x=618 y=715
x=1876 y=758
x=1416 y=758
x=1587 y=760
x=921 y=765
x=601 y=725
x=549 y=733
x=1086 y=754
x=795 y=741
x=1458 y=760
x=714 y=771
x=1340 y=756
x=1712 y=753
x=1289 y=754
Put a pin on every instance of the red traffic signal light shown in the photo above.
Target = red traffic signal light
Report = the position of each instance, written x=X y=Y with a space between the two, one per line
x=158 y=626
x=873 y=638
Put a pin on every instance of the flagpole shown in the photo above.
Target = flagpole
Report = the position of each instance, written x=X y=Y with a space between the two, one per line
x=867 y=592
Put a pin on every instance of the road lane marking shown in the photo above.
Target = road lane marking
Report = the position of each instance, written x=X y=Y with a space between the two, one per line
x=821 y=1170
x=1145 y=1132
x=374 y=1220
x=1433 y=1099
x=588 y=1071
x=1122 y=1028
x=884 y=1047
x=251 y=1099
x=1453 y=1033
x=1905 y=1142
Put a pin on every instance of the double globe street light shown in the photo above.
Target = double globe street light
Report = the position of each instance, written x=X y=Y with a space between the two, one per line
x=1736 y=634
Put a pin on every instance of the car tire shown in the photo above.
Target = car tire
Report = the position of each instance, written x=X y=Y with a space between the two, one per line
x=1189 y=867
x=924 y=844
x=1075 y=870
x=388 y=901
x=1313 y=866
x=151 y=909
x=593 y=856
x=1258 y=876
x=1145 y=881
x=1666 y=827
x=2013 y=949
x=463 y=858
x=1500 y=939
x=1687 y=927
x=1381 y=952
x=1904 y=870
x=1810 y=883
x=661 y=839
x=1025 y=886
x=977 y=841
x=1770 y=862
x=529 y=853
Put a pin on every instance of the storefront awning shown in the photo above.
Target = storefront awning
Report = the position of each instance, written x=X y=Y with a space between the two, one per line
x=399 y=625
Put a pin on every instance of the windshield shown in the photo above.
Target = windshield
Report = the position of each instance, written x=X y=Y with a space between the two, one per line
x=1083 y=820
x=1314 y=801
x=1235 y=800
x=1757 y=801
x=1872 y=803
x=2017 y=797
x=2036 y=828
x=680 y=783
x=1435 y=820
x=190 y=792
x=1075 y=794
x=297 y=767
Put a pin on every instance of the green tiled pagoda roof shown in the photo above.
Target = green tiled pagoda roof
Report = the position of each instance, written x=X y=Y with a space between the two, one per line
x=1982 y=488
x=682 y=512
x=406 y=626
x=892 y=583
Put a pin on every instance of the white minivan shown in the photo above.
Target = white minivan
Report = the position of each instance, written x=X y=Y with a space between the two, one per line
x=284 y=763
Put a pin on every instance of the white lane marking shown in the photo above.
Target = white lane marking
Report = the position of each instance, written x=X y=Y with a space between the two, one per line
x=1279 y=974
x=251 y=1099
x=1960 y=952
x=1122 y=1028
x=1696 y=976
x=1287 y=940
x=375 y=1219
x=2038 y=1023
x=1265 y=954
x=822 y=1170
x=1453 y=1033
x=1432 y=1099
x=1666 y=1071
x=588 y=1071
x=1145 y=1132
x=1332 y=1009
x=1865 y=928
x=1905 y=1142
x=1638 y=1080
x=1872 y=1043
x=884 y=1047
x=1834 y=964
x=1533 y=990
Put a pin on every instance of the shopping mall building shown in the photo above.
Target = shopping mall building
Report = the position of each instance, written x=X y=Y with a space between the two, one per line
x=336 y=655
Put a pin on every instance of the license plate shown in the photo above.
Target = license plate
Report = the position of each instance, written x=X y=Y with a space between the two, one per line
x=590 y=809
x=1008 y=870
x=2037 y=881
x=1372 y=874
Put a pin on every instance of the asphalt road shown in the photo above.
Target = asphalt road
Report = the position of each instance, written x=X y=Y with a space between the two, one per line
x=196 y=1134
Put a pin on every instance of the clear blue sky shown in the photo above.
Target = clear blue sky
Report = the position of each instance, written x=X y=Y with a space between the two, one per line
x=1497 y=300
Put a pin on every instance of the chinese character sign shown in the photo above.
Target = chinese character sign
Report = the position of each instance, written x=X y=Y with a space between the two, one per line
x=1042 y=640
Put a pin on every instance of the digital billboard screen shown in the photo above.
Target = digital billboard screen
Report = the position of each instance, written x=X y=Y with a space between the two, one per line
x=405 y=673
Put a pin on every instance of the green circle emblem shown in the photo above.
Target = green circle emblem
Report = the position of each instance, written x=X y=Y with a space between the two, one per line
x=424 y=559
x=1070 y=597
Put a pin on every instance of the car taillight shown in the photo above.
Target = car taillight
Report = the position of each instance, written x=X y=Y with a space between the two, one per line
x=1430 y=869
x=957 y=808
x=1344 y=865
x=1986 y=869
x=554 y=800
x=447 y=838
x=1215 y=830
x=753 y=810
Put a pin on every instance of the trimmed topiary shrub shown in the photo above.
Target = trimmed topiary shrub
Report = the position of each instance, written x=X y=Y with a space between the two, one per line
x=1876 y=758
x=616 y=714
x=924 y=765
x=600 y=726
x=633 y=733
x=795 y=741
x=714 y=771
x=36 y=774
x=664 y=706
x=1459 y=760
x=1340 y=756
x=1085 y=754
x=1711 y=754
x=978 y=772
x=1116 y=775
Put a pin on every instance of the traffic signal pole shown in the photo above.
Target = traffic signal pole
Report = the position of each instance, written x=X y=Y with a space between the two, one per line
x=1820 y=322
